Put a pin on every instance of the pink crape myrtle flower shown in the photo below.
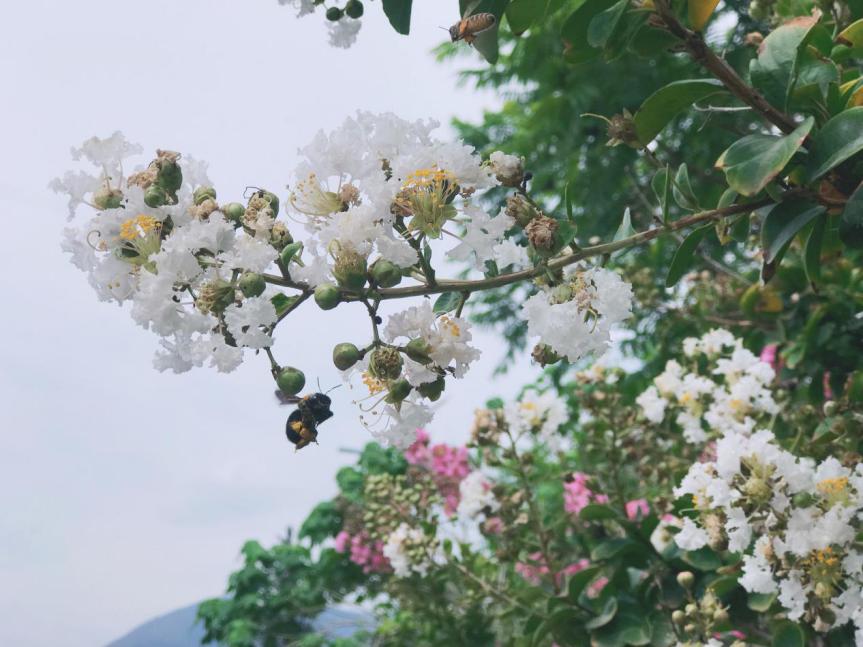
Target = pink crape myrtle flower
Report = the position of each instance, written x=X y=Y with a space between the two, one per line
x=448 y=465
x=637 y=509
x=369 y=555
x=770 y=355
x=535 y=568
x=577 y=495
x=493 y=526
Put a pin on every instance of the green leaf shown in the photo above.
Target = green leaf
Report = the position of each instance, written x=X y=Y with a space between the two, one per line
x=661 y=184
x=750 y=163
x=611 y=548
x=851 y=222
x=773 y=71
x=760 y=602
x=812 y=257
x=602 y=25
x=838 y=139
x=399 y=14
x=567 y=201
x=625 y=230
x=783 y=222
x=684 y=257
x=649 y=41
x=574 y=31
x=704 y=559
x=788 y=634
x=446 y=302
x=852 y=34
x=522 y=14
x=682 y=190
x=578 y=582
x=282 y=302
x=596 y=512
x=609 y=609
x=664 y=104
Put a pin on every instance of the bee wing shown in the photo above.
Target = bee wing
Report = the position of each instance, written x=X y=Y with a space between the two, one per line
x=469 y=8
x=286 y=399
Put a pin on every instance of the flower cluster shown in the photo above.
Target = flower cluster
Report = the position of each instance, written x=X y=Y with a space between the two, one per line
x=796 y=523
x=575 y=317
x=343 y=24
x=577 y=495
x=363 y=551
x=725 y=388
x=447 y=465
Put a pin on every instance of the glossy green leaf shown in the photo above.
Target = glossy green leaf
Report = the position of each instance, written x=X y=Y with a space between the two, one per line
x=773 y=71
x=760 y=602
x=282 y=302
x=446 y=302
x=783 y=222
x=609 y=609
x=667 y=102
x=486 y=42
x=681 y=189
x=399 y=14
x=838 y=139
x=852 y=34
x=788 y=634
x=649 y=41
x=596 y=512
x=812 y=257
x=522 y=14
x=611 y=548
x=750 y=163
x=684 y=257
x=704 y=559
x=574 y=31
x=661 y=185
x=851 y=222
x=579 y=581
x=602 y=25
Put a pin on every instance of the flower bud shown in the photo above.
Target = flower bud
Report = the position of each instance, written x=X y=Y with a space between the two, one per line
x=830 y=408
x=432 y=390
x=508 y=169
x=399 y=390
x=334 y=14
x=289 y=252
x=544 y=355
x=350 y=269
x=678 y=617
x=519 y=208
x=720 y=616
x=327 y=296
x=691 y=609
x=252 y=284
x=169 y=175
x=203 y=193
x=385 y=273
x=690 y=628
x=280 y=237
x=540 y=233
x=215 y=296
x=686 y=579
x=757 y=489
x=418 y=350
x=290 y=380
x=621 y=130
x=107 y=198
x=385 y=363
x=155 y=197
x=345 y=355
x=234 y=212
x=354 y=9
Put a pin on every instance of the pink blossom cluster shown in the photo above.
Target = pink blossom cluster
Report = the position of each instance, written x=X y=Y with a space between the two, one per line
x=637 y=509
x=363 y=552
x=535 y=568
x=448 y=465
x=577 y=495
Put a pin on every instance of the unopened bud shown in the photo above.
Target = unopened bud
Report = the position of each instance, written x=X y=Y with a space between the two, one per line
x=508 y=169
x=678 y=617
x=540 y=233
x=418 y=350
x=290 y=380
x=252 y=284
x=327 y=296
x=686 y=579
x=334 y=14
x=720 y=616
x=234 y=212
x=544 y=355
x=108 y=198
x=385 y=273
x=519 y=208
x=350 y=269
x=203 y=193
x=280 y=237
x=399 y=390
x=354 y=9
x=345 y=355
x=155 y=197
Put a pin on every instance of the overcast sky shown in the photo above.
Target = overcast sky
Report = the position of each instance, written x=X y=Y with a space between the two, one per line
x=125 y=493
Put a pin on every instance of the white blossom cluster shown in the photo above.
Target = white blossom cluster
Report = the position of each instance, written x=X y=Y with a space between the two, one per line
x=407 y=550
x=733 y=395
x=576 y=318
x=476 y=496
x=536 y=413
x=342 y=32
x=167 y=259
x=795 y=522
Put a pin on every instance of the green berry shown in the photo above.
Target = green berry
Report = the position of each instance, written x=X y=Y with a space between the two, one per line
x=252 y=284
x=354 y=8
x=345 y=355
x=290 y=380
x=327 y=296
x=234 y=212
x=399 y=390
x=203 y=193
x=335 y=14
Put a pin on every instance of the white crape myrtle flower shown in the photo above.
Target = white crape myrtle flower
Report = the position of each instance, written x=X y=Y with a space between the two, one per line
x=507 y=167
x=398 y=426
x=448 y=339
x=539 y=413
x=757 y=572
x=398 y=550
x=476 y=496
x=343 y=33
x=652 y=404
x=303 y=7
x=509 y=253
x=483 y=234
x=575 y=320
x=247 y=321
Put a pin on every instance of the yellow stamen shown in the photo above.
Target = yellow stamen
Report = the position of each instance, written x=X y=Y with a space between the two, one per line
x=833 y=487
x=138 y=227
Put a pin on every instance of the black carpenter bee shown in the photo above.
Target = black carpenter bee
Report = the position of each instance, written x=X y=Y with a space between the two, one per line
x=302 y=425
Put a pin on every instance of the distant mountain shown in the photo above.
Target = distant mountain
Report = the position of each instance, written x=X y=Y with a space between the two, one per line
x=179 y=628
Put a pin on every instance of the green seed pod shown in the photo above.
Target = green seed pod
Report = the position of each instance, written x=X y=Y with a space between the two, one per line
x=234 y=212
x=385 y=273
x=350 y=270
x=354 y=8
x=252 y=284
x=418 y=350
x=155 y=196
x=345 y=355
x=290 y=380
x=334 y=14
x=327 y=296
x=385 y=363
x=432 y=390
x=107 y=198
x=399 y=390
x=203 y=193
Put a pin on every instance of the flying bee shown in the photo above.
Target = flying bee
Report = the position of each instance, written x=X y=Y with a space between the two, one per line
x=470 y=26
x=302 y=425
